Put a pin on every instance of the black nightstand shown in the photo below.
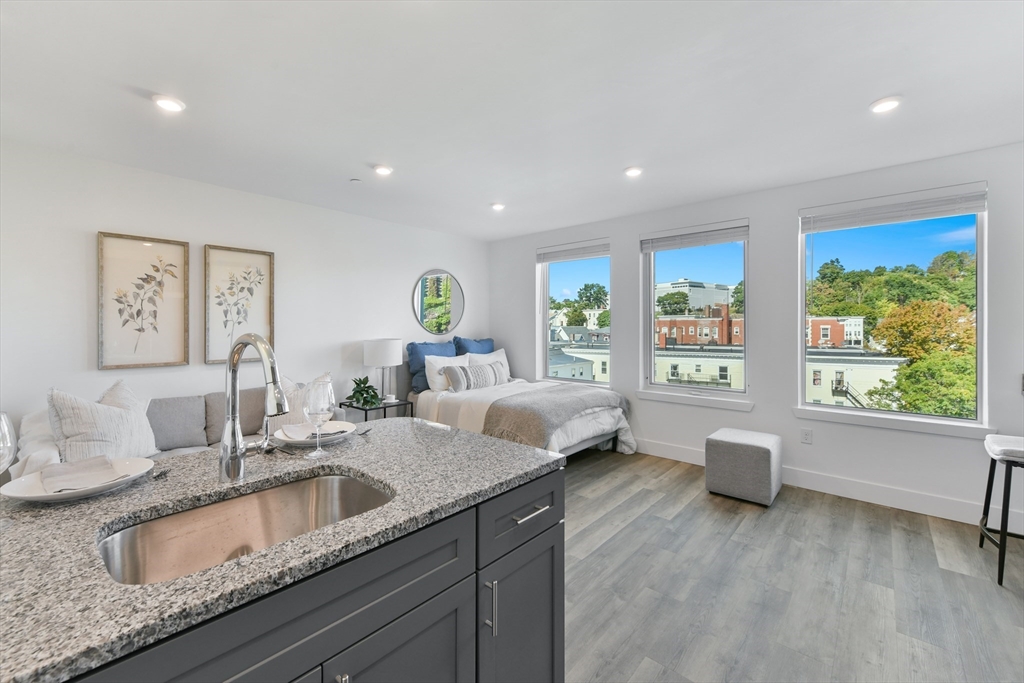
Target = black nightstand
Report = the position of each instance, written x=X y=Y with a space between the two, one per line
x=348 y=405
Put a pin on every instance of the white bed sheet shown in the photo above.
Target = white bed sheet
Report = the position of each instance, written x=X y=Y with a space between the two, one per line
x=468 y=410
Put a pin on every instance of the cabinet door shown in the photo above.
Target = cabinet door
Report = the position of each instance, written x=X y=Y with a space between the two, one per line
x=521 y=613
x=434 y=643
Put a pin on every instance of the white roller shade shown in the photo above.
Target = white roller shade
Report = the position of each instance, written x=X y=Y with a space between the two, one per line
x=697 y=236
x=899 y=208
x=574 y=251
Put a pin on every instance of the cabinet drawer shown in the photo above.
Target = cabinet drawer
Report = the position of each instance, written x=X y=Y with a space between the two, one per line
x=506 y=522
x=314 y=676
x=282 y=635
x=434 y=643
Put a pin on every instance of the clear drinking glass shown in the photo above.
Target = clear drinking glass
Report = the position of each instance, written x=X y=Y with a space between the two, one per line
x=319 y=409
x=8 y=444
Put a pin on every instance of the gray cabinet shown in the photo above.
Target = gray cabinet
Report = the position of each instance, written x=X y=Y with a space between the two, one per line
x=410 y=610
x=434 y=643
x=521 y=612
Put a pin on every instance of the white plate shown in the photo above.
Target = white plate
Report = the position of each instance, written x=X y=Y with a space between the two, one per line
x=332 y=432
x=30 y=487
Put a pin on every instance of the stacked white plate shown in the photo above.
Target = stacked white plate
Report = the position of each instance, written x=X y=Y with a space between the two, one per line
x=30 y=487
x=332 y=432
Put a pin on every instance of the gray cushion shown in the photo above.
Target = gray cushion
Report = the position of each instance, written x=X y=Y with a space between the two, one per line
x=744 y=464
x=178 y=422
x=250 y=412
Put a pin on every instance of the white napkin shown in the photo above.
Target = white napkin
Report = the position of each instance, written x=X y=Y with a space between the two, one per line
x=82 y=474
x=304 y=431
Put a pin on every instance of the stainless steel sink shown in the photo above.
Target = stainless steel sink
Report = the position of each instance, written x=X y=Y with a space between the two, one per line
x=186 y=542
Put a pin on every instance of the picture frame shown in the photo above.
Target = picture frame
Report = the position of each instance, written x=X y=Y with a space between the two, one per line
x=239 y=298
x=142 y=304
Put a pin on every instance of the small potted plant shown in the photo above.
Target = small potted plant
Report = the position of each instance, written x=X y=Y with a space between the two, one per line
x=364 y=394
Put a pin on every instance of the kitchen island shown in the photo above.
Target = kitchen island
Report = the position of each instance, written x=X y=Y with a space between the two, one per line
x=452 y=515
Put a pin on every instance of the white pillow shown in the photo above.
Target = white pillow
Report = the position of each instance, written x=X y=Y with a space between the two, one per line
x=296 y=396
x=114 y=427
x=435 y=366
x=488 y=358
x=36 y=447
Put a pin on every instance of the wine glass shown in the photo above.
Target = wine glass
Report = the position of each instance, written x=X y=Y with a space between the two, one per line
x=319 y=409
x=8 y=442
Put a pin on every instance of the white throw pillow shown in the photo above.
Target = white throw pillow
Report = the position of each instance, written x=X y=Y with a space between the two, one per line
x=114 y=427
x=435 y=370
x=488 y=358
x=296 y=396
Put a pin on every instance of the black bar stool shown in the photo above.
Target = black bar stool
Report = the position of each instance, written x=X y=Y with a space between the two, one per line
x=1010 y=451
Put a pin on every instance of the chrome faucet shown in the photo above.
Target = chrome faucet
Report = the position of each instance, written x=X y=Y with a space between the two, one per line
x=233 y=448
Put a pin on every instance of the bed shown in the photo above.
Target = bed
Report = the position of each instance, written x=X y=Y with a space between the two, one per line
x=600 y=426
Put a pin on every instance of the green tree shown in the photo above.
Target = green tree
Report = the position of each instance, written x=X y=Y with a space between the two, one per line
x=592 y=295
x=831 y=271
x=737 y=298
x=604 y=319
x=674 y=303
x=924 y=327
x=554 y=304
x=940 y=383
x=576 y=317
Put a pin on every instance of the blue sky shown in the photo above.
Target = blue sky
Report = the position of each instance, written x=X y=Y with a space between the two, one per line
x=895 y=244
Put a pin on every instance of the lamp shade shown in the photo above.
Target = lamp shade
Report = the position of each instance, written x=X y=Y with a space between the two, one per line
x=382 y=353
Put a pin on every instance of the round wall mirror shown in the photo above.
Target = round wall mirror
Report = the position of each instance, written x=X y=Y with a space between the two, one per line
x=437 y=301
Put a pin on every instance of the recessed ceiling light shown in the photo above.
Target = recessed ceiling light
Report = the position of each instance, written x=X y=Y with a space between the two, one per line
x=382 y=170
x=885 y=104
x=168 y=103
x=147 y=244
x=634 y=171
x=497 y=207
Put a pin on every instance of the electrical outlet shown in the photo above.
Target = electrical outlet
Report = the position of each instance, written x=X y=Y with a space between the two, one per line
x=806 y=436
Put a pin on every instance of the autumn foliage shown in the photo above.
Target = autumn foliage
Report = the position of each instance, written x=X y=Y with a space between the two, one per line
x=921 y=328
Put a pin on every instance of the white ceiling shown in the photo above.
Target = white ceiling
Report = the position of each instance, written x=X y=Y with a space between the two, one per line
x=537 y=105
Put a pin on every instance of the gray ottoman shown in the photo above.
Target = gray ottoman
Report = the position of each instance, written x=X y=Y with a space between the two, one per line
x=743 y=465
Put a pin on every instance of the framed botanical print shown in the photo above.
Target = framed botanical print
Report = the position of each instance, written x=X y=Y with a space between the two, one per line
x=143 y=302
x=239 y=298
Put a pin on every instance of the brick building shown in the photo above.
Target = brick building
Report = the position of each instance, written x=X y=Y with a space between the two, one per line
x=713 y=326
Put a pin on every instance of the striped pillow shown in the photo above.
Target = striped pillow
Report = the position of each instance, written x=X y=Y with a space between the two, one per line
x=467 y=377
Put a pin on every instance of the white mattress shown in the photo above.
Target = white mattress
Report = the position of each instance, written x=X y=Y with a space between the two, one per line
x=468 y=410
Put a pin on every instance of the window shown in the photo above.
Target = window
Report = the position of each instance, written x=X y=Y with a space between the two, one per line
x=673 y=370
x=673 y=333
x=575 y=282
x=696 y=273
x=902 y=275
x=736 y=331
x=816 y=374
x=723 y=372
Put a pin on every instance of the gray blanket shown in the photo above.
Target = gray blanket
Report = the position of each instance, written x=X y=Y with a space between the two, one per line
x=533 y=417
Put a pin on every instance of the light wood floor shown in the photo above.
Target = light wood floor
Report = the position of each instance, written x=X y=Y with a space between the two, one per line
x=666 y=582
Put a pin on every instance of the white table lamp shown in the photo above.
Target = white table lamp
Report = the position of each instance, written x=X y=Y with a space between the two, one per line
x=383 y=353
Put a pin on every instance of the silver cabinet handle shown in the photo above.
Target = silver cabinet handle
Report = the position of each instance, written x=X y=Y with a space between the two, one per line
x=493 y=621
x=342 y=679
x=537 y=510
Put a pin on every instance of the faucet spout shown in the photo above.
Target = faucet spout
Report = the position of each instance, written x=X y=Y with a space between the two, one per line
x=234 y=448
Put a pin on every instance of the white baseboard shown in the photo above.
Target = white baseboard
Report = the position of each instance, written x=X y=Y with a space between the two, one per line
x=967 y=511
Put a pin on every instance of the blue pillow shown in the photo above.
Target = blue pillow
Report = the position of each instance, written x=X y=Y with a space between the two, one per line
x=464 y=346
x=418 y=366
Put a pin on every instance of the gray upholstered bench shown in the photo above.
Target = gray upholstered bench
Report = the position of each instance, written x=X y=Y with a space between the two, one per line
x=743 y=464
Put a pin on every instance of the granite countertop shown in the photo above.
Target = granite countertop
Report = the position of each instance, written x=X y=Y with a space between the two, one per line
x=61 y=614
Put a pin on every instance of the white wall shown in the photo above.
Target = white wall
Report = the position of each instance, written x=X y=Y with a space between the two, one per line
x=339 y=278
x=927 y=473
